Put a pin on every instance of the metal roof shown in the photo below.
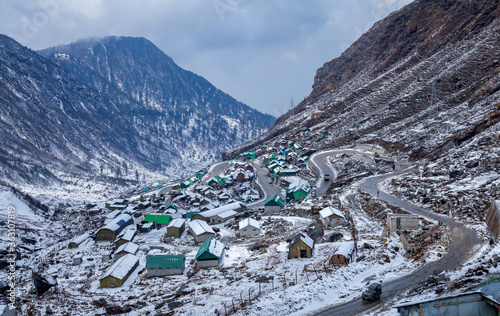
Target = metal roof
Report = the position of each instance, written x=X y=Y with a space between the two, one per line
x=276 y=200
x=158 y=218
x=210 y=249
x=165 y=261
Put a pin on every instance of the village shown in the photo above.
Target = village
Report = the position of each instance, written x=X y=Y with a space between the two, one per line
x=231 y=235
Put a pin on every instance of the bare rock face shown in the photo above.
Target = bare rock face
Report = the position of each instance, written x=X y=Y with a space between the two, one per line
x=422 y=81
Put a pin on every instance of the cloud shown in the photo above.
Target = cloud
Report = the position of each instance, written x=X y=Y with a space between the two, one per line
x=261 y=52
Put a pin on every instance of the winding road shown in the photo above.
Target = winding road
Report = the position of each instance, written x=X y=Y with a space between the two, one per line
x=465 y=242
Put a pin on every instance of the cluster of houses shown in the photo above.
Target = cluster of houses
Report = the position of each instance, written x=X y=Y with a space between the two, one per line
x=194 y=210
x=121 y=230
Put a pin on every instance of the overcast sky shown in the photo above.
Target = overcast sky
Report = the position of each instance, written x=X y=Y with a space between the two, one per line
x=261 y=52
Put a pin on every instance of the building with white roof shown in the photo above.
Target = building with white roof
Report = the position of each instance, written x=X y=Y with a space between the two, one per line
x=128 y=248
x=119 y=272
x=124 y=237
x=209 y=216
x=249 y=227
x=176 y=227
x=330 y=216
x=344 y=254
x=222 y=217
x=114 y=227
x=200 y=230
x=75 y=243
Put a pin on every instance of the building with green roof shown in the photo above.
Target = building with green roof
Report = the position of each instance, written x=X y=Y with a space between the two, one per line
x=274 y=204
x=159 y=219
x=209 y=253
x=162 y=264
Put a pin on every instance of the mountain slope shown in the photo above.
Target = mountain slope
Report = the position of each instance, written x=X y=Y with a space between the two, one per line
x=422 y=81
x=52 y=123
x=59 y=124
x=192 y=109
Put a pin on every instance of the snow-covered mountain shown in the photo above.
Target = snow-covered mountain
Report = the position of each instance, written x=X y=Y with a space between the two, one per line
x=421 y=81
x=109 y=107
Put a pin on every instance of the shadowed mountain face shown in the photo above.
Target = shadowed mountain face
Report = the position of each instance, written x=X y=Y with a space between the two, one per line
x=106 y=107
x=421 y=81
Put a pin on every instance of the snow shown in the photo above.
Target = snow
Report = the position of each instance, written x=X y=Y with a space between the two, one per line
x=248 y=222
x=328 y=211
x=222 y=209
x=178 y=222
x=121 y=267
x=216 y=247
x=227 y=214
x=199 y=227
x=345 y=249
x=7 y=198
x=305 y=238
x=117 y=222
x=78 y=240
x=127 y=234
x=129 y=247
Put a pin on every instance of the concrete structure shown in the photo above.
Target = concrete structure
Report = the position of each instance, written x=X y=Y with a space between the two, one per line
x=493 y=219
x=176 y=227
x=331 y=216
x=249 y=227
x=209 y=253
x=344 y=254
x=163 y=264
x=200 y=230
x=119 y=272
x=209 y=216
x=470 y=303
x=114 y=227
x=301 y=246
x=75 y=243
x=397 y=222
x=274 y=204
x=128 y=248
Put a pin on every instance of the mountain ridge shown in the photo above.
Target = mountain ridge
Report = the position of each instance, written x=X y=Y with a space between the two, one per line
x=429 y=61
x=63 y=120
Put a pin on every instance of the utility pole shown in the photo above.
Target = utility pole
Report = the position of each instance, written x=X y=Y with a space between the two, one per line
x=291 y=107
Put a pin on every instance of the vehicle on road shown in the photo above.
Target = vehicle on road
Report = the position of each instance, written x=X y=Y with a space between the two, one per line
x=327 y=177
x=372 y=292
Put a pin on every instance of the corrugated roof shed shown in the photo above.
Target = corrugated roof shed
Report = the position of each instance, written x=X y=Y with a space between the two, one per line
x=210 y=249
x=305 y=238
x=178 y=222
x=163 y=261
x=276 y=200
x=129 y=247
x=158 y=218
x=199 y=227
x=78 y=240
x=249 y=222
x=222 y=209
x=328 y=211
x=121 y=267
x=118 y=222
